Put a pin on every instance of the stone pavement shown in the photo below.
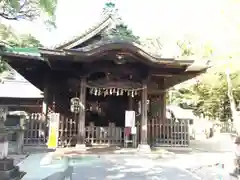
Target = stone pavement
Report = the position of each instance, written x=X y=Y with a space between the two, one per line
x=128 y=168
x=195 y=160
x=115 y=166
x=18 y=158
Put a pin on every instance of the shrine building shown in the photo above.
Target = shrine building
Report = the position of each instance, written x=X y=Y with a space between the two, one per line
x=106 y=75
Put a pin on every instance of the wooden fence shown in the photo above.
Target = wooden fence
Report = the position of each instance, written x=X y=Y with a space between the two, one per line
x=227 y=127
x=36 y=132
x=167 y=134
x=172 y=134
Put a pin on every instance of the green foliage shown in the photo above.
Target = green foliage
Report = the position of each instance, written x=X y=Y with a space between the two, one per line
x=28 y=10
x=122 y=32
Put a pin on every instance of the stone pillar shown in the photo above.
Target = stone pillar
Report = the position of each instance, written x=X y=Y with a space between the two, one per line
x=81 y=118
x=45 y=103
x=144 y=116
x=7 y=168
x=3 y=133
x=144 y=147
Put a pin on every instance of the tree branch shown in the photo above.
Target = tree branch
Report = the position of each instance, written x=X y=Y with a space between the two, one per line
x=5 y=16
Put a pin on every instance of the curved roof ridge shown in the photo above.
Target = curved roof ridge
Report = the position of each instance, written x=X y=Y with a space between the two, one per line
x=100 y=25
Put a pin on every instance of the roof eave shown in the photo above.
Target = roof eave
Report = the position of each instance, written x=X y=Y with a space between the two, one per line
x=199 y=66
x=22 y=56
x=51 y=52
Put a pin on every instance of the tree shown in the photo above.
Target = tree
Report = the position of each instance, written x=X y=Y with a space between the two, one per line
x=8 y=35
x=121 y=31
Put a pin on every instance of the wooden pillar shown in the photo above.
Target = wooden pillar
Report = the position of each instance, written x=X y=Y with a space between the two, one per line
x=164 y=97
x=81 y=118
x=144 y=117
x=130 y=102
x=162 y=102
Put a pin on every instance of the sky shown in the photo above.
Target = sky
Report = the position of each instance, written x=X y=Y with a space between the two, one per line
x=168 y=19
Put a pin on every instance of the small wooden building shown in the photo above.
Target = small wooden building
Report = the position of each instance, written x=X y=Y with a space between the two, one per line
x=109 y=74
x=20 y=95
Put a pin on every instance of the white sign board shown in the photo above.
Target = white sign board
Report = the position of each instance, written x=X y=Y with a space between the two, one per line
x=129 y=118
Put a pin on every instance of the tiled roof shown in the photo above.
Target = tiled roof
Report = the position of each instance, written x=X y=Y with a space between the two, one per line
x=19 y=89
x=181 y=113
x=24 y=51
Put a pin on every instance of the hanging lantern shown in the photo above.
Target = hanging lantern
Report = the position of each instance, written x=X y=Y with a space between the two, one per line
x=132 y=94
x=110 y=91
x=128 y=93
x=114 y=90
x=75 y=105
x=117 y=92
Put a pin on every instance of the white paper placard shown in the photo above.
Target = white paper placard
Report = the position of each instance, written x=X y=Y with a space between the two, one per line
x=133 y=130
x=129 y=118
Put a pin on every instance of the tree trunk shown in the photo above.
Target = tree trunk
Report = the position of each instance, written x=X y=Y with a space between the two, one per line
x=232 y=102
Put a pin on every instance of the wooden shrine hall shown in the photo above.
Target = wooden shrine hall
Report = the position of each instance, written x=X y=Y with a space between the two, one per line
x=105 y=75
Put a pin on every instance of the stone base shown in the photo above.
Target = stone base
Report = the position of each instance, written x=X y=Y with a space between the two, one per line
x=81 y=147
x=9 y=171
x=144 y=148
